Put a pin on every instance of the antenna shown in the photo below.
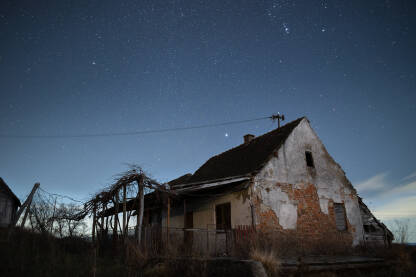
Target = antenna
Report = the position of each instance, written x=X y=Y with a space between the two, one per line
x=278 y=117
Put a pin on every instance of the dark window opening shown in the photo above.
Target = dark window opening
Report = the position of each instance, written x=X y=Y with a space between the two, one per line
x=189 y=224
x=340 y=219
x=223 y=216
x=369 y=229
x=309 y=159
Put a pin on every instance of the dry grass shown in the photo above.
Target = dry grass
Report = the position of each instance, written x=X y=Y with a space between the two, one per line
x=269 y=260
x=293 y=244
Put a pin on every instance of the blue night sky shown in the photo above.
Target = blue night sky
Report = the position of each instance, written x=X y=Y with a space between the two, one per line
x=88 y=67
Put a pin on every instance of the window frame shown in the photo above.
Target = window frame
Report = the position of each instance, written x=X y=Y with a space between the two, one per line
x=220 y=213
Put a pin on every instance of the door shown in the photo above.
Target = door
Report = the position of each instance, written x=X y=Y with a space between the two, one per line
x=189 y=224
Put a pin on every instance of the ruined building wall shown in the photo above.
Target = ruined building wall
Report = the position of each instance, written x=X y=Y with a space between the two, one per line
x=292 y=196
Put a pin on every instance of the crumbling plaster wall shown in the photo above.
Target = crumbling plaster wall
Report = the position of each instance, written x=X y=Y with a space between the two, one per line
x=301 y=197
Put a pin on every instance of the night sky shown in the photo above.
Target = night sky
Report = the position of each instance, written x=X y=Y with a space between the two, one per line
x=88 y=67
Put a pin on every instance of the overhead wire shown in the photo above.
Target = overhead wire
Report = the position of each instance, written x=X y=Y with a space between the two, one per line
x=60 y=196
x=132 y=133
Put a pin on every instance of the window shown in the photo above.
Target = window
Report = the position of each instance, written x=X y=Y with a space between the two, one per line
x=223 y=216
x=340 y=220
x=369 y=228
x=309 y=159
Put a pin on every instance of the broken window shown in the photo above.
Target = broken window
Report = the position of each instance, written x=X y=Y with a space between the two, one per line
x=369 y=228
x=340 y=219
x=223 y=216
x=309 y=159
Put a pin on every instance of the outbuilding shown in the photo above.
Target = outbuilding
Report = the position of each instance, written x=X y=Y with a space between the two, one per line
x=9 y=203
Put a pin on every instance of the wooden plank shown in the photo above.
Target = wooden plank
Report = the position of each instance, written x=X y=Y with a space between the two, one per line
x=340 y=221
x=93 y=222
x=124 y=210
x=26 y=205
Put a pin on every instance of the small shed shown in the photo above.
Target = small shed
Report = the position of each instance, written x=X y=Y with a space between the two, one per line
x=9 y=203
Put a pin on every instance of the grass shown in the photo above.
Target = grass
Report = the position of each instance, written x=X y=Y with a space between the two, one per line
x=26 y=253
x=269 y=260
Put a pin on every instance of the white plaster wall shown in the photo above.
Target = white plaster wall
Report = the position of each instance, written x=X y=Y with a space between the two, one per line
x=290 y=167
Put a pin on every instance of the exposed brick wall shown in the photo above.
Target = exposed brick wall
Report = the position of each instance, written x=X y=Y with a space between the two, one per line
x=312 y=223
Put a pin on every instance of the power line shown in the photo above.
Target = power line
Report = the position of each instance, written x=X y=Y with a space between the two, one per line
x=132 y=133
x=60 y=196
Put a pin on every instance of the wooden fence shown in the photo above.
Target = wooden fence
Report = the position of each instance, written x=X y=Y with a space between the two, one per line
x=209 y=241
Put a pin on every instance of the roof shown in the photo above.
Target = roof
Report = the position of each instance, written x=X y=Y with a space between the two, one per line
x=364 y=206
x=180 y=180
x=245 y=158
x=4 y=187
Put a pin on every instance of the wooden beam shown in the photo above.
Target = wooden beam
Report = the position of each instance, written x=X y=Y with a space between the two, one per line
x=102 y=222
x=94 y=222
x=141 y=210
x=124 y=210
x=26 y=205
x=115 y=217
x=214 y=184
x=184 y=213
x=167 y=222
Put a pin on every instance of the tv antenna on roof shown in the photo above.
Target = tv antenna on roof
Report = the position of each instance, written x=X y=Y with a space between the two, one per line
x=278 y=117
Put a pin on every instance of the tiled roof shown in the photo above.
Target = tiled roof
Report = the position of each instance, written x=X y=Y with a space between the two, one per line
x=245 y=158
x=180 y=180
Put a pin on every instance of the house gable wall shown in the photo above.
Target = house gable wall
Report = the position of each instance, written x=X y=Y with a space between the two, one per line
x=293 y=196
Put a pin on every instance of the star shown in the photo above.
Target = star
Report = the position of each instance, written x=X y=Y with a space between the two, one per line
x=286 y=28
x=93 y=63
x=226 y=135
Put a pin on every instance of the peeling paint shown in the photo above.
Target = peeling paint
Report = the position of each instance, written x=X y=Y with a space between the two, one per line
x=323 y=203
x=293 y=200
x=289 y=195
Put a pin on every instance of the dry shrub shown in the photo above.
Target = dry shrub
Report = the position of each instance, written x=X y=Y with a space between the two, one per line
x=157 y=270
x=269 y=260
x=401 y=256
x=136 y=259
x=295 y=244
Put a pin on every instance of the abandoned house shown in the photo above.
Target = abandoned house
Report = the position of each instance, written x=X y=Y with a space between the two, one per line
x=283 y=180
x=9 y=204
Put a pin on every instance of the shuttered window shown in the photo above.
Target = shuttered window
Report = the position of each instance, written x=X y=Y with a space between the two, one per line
x=340 y=219
x=223 y=216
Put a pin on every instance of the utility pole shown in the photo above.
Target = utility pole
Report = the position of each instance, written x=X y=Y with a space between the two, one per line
x=278 y=117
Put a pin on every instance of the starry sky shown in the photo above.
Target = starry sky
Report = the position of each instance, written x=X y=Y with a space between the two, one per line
x=88 y=67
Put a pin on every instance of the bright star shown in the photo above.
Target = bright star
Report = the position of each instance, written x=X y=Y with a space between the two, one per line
x=286 y=28
x=226 y=135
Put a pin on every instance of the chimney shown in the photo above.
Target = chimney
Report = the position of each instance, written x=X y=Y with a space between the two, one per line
x=248 y=138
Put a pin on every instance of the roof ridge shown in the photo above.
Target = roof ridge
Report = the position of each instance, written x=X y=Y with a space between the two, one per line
x=244 y=158
x=257 y=137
